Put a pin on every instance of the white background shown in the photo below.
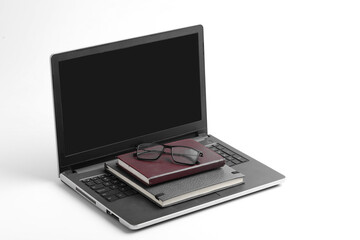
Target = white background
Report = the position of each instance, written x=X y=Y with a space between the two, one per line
x=282 y=86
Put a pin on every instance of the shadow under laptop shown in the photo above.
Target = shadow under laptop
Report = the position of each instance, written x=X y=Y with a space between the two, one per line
x=121 y=227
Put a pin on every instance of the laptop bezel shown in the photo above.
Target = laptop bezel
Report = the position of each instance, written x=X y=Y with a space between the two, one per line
x=93 y=156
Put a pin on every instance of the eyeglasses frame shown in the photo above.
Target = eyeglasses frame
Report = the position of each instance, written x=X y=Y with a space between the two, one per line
x=200 y=154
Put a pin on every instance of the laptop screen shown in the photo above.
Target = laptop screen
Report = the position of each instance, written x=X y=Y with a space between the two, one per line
x=121 y=94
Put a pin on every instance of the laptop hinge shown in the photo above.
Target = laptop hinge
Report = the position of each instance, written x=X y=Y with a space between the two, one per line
x=68 y=172
x=83 y=169
x=90 y=168
x=201 y=137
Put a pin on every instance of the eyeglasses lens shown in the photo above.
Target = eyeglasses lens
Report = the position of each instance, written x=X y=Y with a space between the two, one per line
x=149 y=151
x=185 y=155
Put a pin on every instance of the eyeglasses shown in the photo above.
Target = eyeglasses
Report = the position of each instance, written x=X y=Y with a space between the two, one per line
x=180 y=154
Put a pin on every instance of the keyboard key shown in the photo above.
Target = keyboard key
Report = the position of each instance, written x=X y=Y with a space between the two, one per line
x=238 y=157
x=103 y=190
x=109 y=193
x=244 y=160
x=221 y=147
x=107 y=184
x=115 y=181
x=90 y=183
x=218 y=151
x=130 y=192
x=120 y=195
x=106 y=179
x=97 y=186
x=230 y=158
x=229 y=163
x=123 y=189
x=225 y=150
x=98 y=181
x=224 y=155
x=121 y=184
x=235 y=161
x=112 y=198
x=114 y=186
x=95 y=178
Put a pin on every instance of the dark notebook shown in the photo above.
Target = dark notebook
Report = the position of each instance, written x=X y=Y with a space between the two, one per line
x=183 y=189
x=164 y=169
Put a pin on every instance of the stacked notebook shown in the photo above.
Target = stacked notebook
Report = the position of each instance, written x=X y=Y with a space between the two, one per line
x=166 y=183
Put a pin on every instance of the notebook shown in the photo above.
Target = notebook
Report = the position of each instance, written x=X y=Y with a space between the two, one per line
x=164 y=168
x=183 y=189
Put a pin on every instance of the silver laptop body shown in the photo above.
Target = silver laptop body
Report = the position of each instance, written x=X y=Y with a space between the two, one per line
x=112 y=97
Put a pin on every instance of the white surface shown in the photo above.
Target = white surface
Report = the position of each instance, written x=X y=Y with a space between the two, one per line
x=282 y=75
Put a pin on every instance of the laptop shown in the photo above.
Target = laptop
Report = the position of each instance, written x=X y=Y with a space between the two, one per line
x=110 y=98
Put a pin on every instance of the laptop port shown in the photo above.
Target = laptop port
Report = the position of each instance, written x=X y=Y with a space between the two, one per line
x=113 y=215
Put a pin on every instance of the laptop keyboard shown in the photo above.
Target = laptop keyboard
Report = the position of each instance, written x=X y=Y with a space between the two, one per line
x=231 y=158
x=109 y=187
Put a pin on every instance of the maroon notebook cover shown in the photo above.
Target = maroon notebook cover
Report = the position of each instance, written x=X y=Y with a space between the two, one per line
x=164 y=169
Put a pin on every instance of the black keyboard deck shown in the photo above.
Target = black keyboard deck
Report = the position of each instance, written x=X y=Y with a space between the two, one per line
x=231 y=158
x=109 y=187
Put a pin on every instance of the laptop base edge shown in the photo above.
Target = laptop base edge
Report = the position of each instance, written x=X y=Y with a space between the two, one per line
x=208 y=204
x=99 y=205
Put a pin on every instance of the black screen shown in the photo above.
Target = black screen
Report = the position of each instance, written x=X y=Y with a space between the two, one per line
x=121 y=94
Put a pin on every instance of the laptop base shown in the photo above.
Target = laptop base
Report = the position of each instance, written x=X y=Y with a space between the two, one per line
x=136 y=212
